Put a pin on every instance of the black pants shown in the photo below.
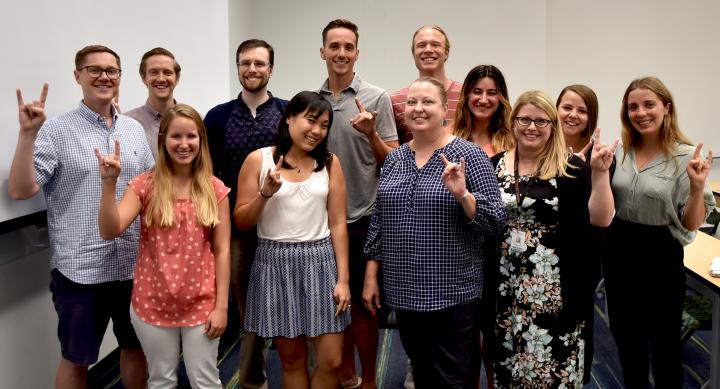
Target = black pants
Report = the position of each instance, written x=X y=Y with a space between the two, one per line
x=645 y=284
x=442 y=345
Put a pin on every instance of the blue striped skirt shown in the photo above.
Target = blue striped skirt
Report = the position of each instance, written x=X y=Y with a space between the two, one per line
x=291 y=290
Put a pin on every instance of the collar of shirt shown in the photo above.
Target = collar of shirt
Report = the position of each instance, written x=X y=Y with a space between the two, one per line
x=152 y=112
x=241 y=102
x=94 y=117
x=680 y=150
x=354 y=85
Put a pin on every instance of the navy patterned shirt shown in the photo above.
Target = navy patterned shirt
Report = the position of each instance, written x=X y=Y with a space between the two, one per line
x=233 y=133
x=428 y=249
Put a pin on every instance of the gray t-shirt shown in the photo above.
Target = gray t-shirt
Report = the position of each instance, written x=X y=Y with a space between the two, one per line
x=358 y=162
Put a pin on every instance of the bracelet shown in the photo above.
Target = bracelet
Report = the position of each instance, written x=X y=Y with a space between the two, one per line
x=467 y=192
x=263 y=194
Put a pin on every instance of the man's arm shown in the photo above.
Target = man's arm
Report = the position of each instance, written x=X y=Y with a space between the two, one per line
x=31 y=116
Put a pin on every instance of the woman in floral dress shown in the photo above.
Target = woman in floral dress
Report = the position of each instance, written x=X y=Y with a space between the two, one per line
x=542 y=284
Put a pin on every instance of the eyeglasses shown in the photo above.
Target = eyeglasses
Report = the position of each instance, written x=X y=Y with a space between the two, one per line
x=97 y=71
x=539 y=123
x=259 y=65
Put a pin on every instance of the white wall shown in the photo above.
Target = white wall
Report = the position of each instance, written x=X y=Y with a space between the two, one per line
x=479 y=32
x=606 y=44
x=537 y=44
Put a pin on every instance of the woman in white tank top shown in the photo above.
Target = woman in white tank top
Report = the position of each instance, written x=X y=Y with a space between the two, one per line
x=295 y=193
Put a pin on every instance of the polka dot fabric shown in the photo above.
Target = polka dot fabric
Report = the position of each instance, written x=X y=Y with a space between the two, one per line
x=174 y=283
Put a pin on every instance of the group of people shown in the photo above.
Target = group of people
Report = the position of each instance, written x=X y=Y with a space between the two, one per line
x=482 y=224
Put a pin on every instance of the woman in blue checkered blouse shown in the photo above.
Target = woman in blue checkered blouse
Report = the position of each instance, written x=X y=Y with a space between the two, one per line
x=437 y=199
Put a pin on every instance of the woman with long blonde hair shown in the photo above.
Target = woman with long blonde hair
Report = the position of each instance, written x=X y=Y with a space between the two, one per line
x=182 y=272
x=552 y=198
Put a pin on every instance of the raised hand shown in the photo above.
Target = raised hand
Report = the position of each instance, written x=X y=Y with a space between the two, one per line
x=110 y=164
x=602 y=155
x=273 y=181
x=32 y=115
x=698 y=169
x=453 y=176
x=582 y=154
x=364 y=121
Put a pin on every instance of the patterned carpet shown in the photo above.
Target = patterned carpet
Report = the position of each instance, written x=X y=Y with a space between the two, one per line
x=392 y=361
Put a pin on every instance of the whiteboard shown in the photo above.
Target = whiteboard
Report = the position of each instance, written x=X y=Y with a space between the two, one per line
x=39 y=40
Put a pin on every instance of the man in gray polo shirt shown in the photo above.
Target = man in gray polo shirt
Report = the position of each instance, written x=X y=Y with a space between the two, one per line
x=362 y=134
x=160 y=72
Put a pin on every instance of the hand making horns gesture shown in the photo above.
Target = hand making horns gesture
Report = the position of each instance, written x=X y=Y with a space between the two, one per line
x=453 y=176
x=109 y=164
x=272 y=181
x=32 y=115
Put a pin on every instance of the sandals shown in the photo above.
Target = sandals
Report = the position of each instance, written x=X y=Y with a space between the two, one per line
x=356 y=384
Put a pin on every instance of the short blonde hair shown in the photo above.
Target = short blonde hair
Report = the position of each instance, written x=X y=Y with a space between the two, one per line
x=432 y=27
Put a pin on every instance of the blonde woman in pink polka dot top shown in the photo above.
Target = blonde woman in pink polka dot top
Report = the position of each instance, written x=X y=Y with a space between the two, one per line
x=182 y=273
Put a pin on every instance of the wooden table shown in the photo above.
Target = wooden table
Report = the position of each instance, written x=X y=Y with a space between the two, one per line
x=698 y=256
x=715 y=187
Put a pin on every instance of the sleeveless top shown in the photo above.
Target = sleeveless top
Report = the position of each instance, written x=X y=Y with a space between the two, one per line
x=298 y=211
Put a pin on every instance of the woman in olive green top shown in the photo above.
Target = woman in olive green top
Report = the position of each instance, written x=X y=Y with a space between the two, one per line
x=661 y=199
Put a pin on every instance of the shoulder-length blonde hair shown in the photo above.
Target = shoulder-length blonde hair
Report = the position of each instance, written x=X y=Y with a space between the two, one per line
x=500 y=129
x=669 y=134
x=553 y=159
x=160 y=208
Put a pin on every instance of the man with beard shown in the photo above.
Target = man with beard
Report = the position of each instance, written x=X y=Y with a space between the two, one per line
x=235 y=129
x=160 y=72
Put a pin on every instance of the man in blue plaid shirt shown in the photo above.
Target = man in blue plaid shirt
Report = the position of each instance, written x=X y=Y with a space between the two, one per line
x=91 y=279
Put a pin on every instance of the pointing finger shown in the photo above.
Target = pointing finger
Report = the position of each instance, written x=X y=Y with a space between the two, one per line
x=278 y=165
x=98 y=155
x=43 y=94
x=709 y=158
x=117 y=148
x=360 y=106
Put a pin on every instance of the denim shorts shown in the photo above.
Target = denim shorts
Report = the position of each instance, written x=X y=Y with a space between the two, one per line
x=83 y=315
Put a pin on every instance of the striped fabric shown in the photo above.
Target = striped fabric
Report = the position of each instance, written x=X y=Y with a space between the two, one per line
x=291 y=290
x=398 y=104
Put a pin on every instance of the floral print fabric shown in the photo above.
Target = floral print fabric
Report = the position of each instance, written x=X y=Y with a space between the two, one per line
x=537 y=346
